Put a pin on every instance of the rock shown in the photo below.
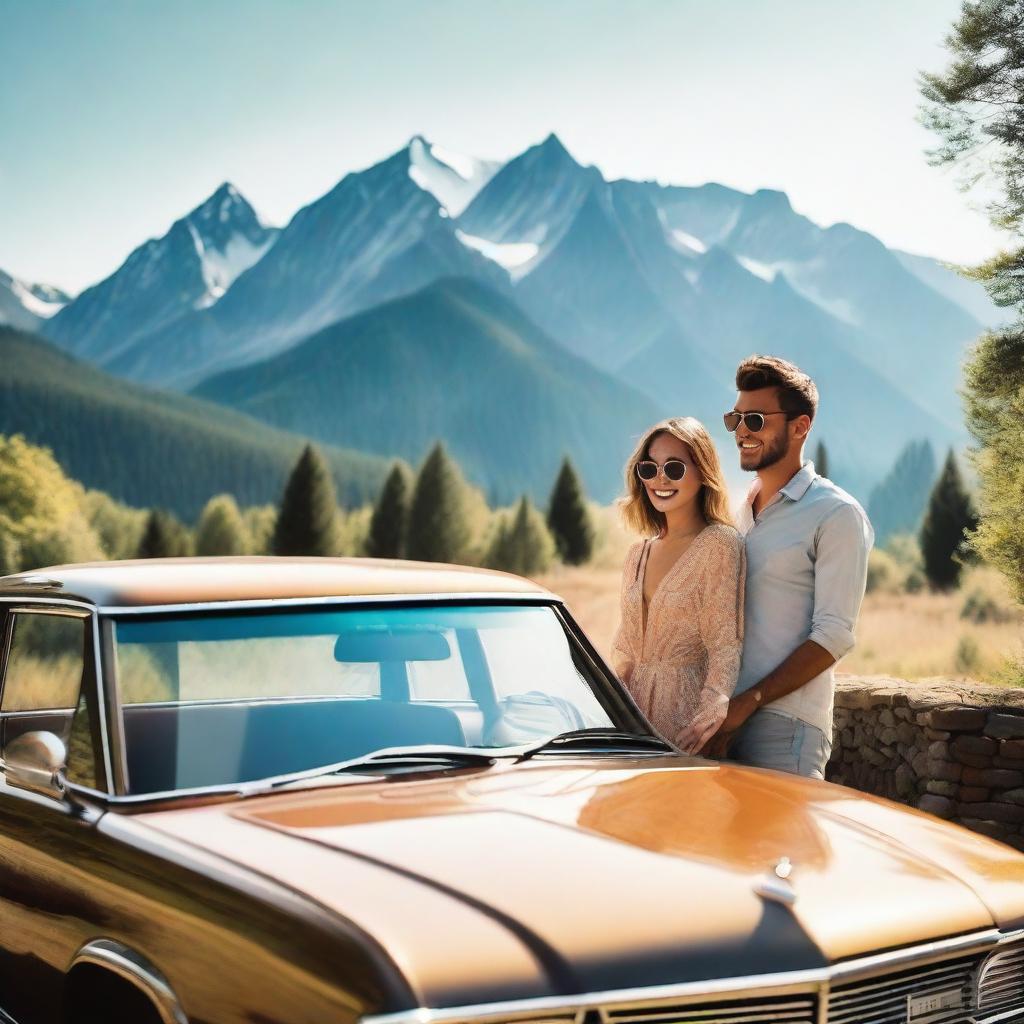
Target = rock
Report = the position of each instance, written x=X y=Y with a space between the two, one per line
x=974 y=794
x=937 y=734
x=946 y=771
x=846 y=737
x=994 y=829
x=1012 y=748
x=906 y=782
x=999 y=778
x=905 y=714
x=950 y=789
x=940 y=806
x=890 y=755
x=983 y=746
x=872 y=757
x=1011 y=796
x=1011 y=814
x=906 y=733
x=886 y=718
x=958 y=719
x=860 y=737
x=889 y=736
x=920 y=764
x=939 y=750
x=1006 y=727
x=1013 y=763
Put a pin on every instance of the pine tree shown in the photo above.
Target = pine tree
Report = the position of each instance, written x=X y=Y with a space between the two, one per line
x=528 y=547
x=569 y=518
x=499 y=554
x=307 y=523
x=164 y=537
x=10 y=561
x=821 y=460
x=221 y=529
x=391 y=515
x=439 y=527
x=949 y=518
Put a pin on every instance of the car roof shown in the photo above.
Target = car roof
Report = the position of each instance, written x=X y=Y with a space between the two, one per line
x=158 y=582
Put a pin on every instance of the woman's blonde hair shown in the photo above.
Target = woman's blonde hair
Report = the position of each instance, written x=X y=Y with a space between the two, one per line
x=635 y=507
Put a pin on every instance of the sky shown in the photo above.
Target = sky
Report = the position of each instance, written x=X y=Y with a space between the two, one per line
x=119 y=116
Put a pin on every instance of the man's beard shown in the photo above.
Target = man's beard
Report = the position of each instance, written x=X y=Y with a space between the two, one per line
x=773 y=454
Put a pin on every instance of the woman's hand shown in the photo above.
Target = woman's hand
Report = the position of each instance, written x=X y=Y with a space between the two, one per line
x=741 y=707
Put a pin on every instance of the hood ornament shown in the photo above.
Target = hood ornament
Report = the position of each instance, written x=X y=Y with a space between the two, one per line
x=775 y=885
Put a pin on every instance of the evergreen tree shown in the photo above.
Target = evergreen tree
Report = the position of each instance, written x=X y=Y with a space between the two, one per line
x=821 y=459
x=524 y=544
x=221 y=529
x=499 y=553
x=949 y=518
x=569 y=518
x=164 y=537
x=9 y=554
x=307 y=523
x=391 y=515
x=974 y=108
x=439 y=523
x=898 y=503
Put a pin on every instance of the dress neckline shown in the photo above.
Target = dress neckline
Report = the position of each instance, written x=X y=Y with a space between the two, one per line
x=642 y=576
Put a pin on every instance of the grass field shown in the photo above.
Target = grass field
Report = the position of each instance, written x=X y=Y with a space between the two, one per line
x=910 y=636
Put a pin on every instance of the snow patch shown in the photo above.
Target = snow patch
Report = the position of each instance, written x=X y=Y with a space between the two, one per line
x=220 y=268
x=689 y=242
x=32 y=302
x=513 y=256
x=765 y=271
x=451 y=178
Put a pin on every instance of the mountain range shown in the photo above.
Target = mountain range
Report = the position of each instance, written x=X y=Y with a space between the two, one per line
x=435 y=295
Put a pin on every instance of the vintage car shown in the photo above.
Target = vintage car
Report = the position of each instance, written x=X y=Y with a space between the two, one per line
x=307 y=791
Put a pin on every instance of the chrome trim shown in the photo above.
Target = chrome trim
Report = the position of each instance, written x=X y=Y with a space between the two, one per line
x=9 y=600
x=132 y=967
x=101 y=702
x=816 y=979
x=474 y=597
x=40 y=608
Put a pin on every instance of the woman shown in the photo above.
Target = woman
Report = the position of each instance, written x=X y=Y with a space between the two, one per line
x=678 y=645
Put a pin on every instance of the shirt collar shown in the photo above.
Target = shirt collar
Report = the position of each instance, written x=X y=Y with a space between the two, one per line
x=799 y=483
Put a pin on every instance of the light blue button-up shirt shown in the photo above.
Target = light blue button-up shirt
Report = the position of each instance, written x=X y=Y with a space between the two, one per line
x=807 y=563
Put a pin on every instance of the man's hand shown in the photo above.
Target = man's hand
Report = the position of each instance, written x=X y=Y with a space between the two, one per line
x=741 y=707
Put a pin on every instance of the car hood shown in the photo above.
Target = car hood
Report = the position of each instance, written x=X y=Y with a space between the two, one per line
x=555 y=878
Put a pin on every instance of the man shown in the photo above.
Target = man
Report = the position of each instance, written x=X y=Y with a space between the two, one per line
x=807 y=547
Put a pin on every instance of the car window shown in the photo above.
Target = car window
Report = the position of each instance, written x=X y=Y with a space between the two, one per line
x=44 y=663
x=222 y=697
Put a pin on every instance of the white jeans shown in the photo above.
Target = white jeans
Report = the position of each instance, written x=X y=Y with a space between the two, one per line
x=769 y=739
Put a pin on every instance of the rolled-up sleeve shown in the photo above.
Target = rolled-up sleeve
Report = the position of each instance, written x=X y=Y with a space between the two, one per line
x=842 y=544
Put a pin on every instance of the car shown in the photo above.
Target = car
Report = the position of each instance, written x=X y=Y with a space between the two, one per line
x=303 y=791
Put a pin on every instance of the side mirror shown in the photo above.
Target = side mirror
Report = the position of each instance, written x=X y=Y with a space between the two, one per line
x=36 y=761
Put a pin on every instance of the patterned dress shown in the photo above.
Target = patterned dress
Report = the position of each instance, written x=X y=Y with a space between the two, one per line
x=680 y=657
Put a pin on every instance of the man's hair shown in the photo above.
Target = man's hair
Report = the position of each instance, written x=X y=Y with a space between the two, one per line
x=798 y=394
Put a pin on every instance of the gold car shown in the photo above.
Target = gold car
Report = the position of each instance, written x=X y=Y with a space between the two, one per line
x=305 y=791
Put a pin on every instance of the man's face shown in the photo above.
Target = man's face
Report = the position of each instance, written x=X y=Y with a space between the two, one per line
x=770 y=444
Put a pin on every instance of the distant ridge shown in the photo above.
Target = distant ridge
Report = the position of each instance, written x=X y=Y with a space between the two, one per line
x=456 y=360
x=148 y=448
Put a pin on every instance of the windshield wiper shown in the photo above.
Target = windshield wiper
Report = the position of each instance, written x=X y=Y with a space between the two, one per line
x=601 y=738
x=413 y=758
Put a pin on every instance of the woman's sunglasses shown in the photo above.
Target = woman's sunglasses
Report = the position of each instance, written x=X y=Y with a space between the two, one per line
x=674 y=469
x=753 y=421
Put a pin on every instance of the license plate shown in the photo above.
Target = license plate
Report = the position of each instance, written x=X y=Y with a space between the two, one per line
x=920 y=1008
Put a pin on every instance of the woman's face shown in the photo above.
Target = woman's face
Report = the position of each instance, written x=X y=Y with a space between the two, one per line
x=666 y=495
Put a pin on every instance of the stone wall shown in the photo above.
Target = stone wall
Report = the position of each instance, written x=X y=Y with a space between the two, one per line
x=953 y=749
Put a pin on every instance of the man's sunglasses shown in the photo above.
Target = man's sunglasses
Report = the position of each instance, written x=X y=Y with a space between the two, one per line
x=753 y=421
x=674 y=469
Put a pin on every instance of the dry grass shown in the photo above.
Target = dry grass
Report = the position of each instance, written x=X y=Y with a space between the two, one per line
x=911 y=636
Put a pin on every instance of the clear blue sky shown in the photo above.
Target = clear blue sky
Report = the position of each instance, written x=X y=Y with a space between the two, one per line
x=118 y=116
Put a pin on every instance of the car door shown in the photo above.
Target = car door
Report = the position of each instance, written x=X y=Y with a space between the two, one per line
x=47 y=683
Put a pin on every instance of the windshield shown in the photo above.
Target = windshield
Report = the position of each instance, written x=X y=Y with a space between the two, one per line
x=215 y=699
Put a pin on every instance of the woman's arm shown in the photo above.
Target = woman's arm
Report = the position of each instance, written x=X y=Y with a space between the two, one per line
x=621 y=654
x=720 y=620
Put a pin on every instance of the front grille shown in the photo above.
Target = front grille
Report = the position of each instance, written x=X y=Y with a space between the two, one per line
x=886 y=999
x=1001 y=986
x=794 y=1009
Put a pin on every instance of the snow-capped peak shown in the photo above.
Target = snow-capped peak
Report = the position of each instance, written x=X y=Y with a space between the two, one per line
x=453 y=179
x=228 y=239
x=40 y=300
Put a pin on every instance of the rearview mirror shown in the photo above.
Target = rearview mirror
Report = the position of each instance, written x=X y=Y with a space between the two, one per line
x=36 y=761
x=392 y=644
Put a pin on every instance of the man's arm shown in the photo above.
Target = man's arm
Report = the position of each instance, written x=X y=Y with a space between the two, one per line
x=840 y=573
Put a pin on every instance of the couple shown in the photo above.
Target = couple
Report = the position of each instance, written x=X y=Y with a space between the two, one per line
x=793 y=575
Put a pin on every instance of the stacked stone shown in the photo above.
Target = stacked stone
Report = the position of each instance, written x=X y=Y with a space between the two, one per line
x=956 y=751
